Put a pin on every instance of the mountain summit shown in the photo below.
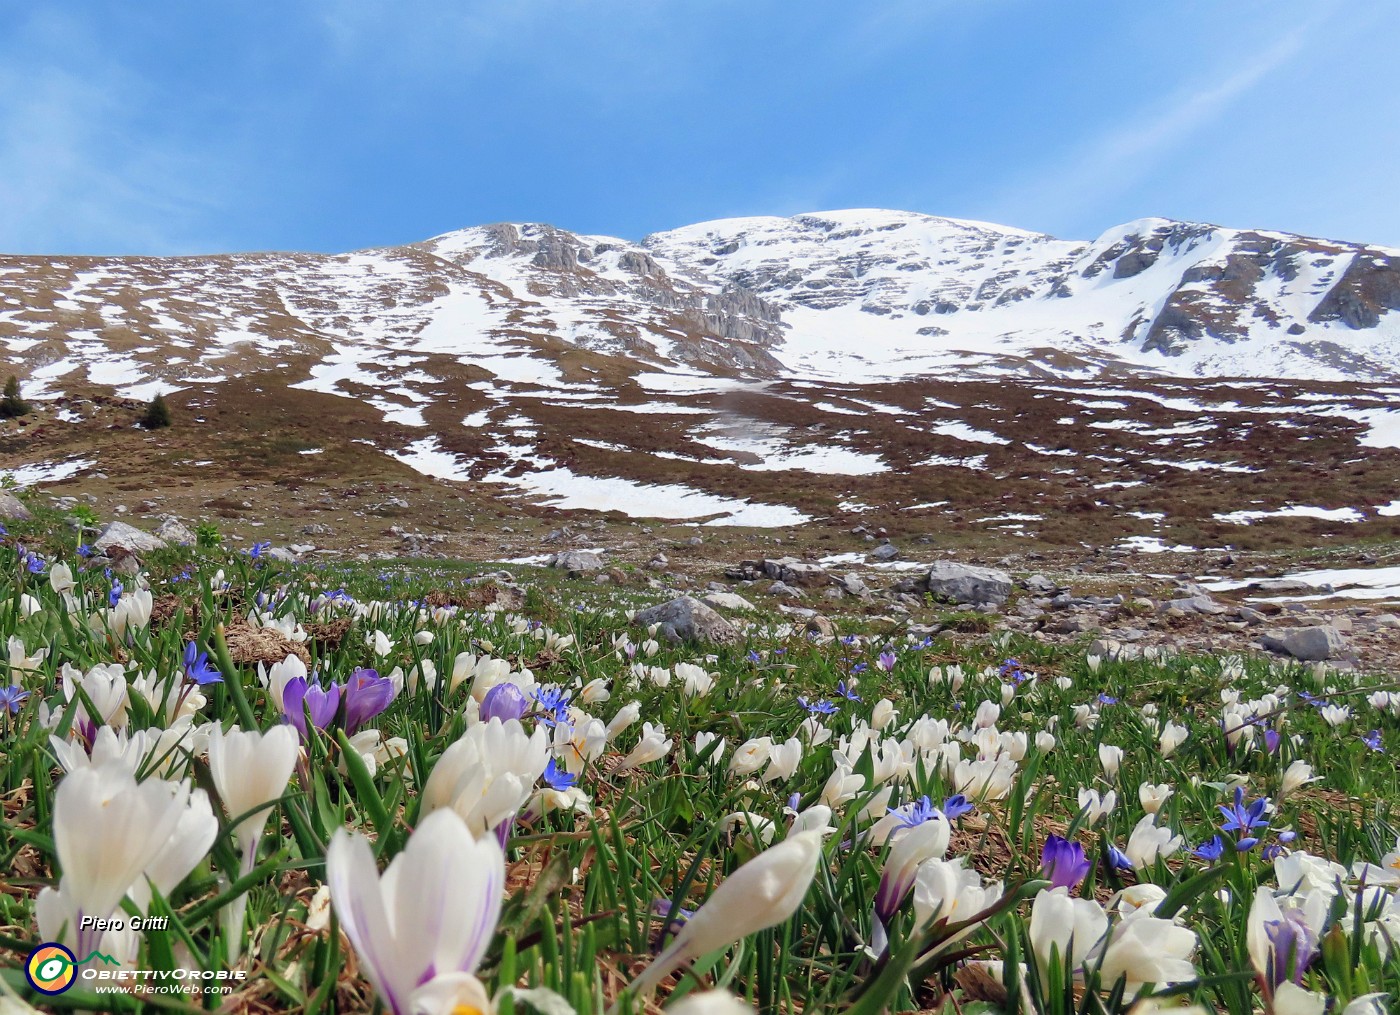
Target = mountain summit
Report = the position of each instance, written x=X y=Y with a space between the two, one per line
x=857 y=295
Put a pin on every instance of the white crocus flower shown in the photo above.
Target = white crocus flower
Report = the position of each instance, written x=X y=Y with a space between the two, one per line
x=21 y=663
x=1335 y=715
x=1296 y=776
x=946 y=890
x=703 y=740
x=421 y=928
x=1144 y=949
x=1153 y=796
x=1111 y=758
x=721 y=1002
x=61 y=579
x=694 y=679
x=1148 y=843
x=276 y=677
x=883 y=714
x=1173 y=736
x=762 y=893
x=626 y=716
x=107 y=830
x=842 y=786
x=250 y=771
x=595 y=692
x=1291 y=999
x=488 y=774
x=783 y=760
x=652 y=747
x=1064 y=929
x=191 y=839
x=750 y=756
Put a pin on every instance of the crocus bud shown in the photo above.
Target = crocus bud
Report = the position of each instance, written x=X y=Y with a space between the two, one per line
x=762 y=893
x=504 y=701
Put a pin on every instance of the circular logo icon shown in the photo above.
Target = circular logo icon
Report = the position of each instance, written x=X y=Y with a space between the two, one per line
x=50 y=968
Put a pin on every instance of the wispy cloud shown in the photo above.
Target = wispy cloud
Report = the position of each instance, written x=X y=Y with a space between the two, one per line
x=75 y=173
x=1110 y=163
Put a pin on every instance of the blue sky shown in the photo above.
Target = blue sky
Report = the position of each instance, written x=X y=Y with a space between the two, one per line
x=179 y=127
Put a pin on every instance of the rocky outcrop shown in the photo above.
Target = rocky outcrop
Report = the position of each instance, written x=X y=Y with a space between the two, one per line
x=688 y=619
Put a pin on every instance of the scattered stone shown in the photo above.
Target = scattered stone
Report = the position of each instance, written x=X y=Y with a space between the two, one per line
x=785 y=591
x=127 y=538
x=729 y=601
x=687 y=619
x=885 y=551
x=853 y=586
x=795 y=572
x=1310 y=644
x=576 y=561
x=172 y=530
x=1202 y=604
x=12 y=509
x=969 y=585
x=821 y=626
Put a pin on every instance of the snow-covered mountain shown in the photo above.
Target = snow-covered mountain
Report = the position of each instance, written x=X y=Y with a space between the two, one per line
x=712 y=371
x=852 y=295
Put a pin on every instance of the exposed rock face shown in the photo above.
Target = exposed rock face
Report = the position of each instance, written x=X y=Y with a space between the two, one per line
x=688 y=619
x=969 y=585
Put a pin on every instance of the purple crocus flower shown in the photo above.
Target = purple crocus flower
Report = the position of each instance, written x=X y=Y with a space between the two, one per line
x=366 y=695
x=504 y=701
x=886 y=660
x=1063 y=862
x=1271 y=740
x=1292 y=947
x=300 y=698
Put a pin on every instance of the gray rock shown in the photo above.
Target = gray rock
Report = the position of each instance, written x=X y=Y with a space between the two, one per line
x=796 y=572
x=729 y=601
x=969 y=585
x=577 y=560
x=687 y=619
x=12 y=509
x=1307 y=643
x=885 y=551
x=785 y=591
x=853 y=586
x=1040 y=585
x=172 y=530
x=1195 y=604
x=121 y=536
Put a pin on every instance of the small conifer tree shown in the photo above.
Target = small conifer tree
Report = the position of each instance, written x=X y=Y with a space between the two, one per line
x=157 y=413
x=12 y=404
